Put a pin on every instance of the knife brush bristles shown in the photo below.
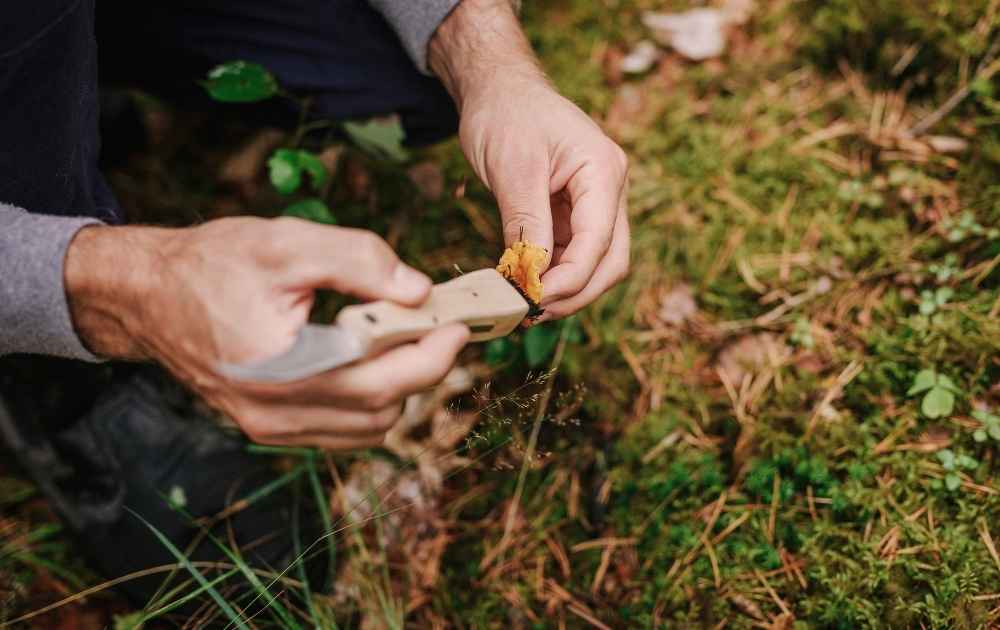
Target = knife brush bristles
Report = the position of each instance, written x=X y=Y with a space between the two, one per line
x=535 y=310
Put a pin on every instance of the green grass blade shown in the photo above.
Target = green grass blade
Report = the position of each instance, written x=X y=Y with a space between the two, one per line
x=234 y=618
x=164 y=609
x=324 y=512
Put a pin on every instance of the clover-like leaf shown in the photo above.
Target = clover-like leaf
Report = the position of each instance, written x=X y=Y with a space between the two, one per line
x=979 y=435
x=946 y=383
x=286 y=166
x=937 y=403
x=943 y=294
x=924 y=380
x=952 y=481
x=947 y=458
x=966 y=462
x=284 y=171
x=382 y=139
x=311 y=210
x=927 y=303
x=312 y=165
x=240 y=82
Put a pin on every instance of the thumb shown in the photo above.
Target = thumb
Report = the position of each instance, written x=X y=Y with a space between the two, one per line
x=359 y=263
x=525 y=209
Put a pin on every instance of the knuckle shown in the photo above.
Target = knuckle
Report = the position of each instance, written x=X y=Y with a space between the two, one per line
x=379 y=399
x=384 y=421
x=373 y=253
x=372 y=246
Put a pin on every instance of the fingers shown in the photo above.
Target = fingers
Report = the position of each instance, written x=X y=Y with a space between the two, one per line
x=364 y=400
x=383 y=380
x=375 y=383
x=356 y=262
x=611 y=270
x=595 y=191
x=523 y=195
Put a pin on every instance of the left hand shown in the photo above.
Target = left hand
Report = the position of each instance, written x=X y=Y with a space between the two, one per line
x=554 y=173
x=557 y=177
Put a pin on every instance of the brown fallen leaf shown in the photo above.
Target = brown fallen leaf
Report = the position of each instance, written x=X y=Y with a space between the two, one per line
x=948 y=144
x=697 y=34
x=677 y=305
x=750 y=354
x=641 y=58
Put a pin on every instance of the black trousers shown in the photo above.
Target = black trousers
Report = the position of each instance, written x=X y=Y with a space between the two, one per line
x=341 y=52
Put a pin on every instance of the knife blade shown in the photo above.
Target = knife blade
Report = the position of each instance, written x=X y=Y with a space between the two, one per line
x=483 y=300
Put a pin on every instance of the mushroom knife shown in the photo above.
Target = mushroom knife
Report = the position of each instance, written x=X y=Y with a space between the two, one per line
x=483 y=300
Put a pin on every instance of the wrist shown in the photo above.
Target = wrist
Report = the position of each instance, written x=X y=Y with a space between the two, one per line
x=480 y=42
x=110 y=274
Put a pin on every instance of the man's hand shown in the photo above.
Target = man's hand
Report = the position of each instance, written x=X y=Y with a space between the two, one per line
x=238 y=290
x=556 y=176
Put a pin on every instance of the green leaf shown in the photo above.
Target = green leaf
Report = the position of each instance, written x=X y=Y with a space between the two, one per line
x=285 y=171
x=947 y=383
x=979 y=435
x=966 y=462
x=311 y=210
x=938 y=402
x=499 y=351
x=952 y=481
x=947 y=458
x=286 y=166
x=943 y=294
x=924 y=380
x=994 y=431
x=240 y=82
x=539 y=342
x=312 y=165
x=381 y=139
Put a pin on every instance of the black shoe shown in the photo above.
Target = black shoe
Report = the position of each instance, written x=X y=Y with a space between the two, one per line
x=137 y=446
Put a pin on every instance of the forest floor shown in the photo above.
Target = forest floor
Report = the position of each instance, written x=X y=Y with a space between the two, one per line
x=788 y=415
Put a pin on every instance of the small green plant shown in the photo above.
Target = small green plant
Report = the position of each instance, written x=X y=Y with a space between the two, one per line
x=537 y=344
x=938 y=391
x=953 y=464
x=931 y=301
x=857 y=192
x=965 y=226
x=990 y=428
x=802 y=334
x=946 y=269
x=244 y=82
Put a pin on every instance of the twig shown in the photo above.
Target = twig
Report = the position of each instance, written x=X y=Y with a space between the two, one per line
x=986 y=69
x=543 y=404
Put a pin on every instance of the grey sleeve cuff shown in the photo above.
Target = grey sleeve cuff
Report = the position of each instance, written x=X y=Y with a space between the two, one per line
x=415 y=22
x=34 y=313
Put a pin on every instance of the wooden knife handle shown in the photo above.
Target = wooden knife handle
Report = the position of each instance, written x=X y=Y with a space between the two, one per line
x=482 y=300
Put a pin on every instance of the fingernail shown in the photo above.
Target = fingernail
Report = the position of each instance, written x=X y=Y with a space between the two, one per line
x=410 y=280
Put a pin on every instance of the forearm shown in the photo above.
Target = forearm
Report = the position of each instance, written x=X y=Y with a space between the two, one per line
x=480 y=40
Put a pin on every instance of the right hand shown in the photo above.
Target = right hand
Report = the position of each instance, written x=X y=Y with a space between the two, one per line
x=238 y=290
